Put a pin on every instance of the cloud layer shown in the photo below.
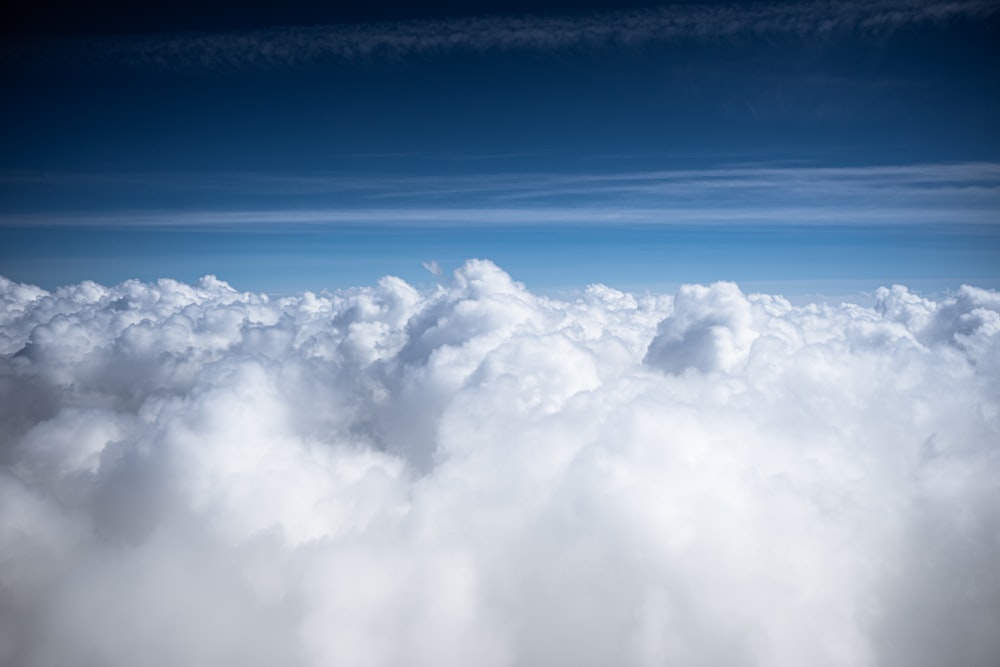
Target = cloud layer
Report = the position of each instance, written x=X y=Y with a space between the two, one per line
x=962 y=194
x=480 y=475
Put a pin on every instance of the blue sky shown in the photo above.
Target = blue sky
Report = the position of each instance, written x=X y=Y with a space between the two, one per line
x=800 y=147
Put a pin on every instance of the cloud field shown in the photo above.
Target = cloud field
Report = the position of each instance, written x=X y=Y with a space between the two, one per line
x=478 y=475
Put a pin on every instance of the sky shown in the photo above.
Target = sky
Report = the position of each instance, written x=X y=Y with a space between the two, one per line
x=796 y=147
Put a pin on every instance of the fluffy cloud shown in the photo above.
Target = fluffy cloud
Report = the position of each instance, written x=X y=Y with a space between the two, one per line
x=480 y=475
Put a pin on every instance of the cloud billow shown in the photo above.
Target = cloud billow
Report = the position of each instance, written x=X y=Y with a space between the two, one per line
x=476 y=474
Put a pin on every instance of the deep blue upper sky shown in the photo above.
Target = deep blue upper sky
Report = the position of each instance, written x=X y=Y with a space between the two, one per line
x=796 y=146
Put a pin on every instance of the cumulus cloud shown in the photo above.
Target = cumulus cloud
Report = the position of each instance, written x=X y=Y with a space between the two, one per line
x=476 y=474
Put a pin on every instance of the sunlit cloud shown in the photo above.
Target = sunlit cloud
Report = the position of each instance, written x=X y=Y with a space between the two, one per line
x=478 y=474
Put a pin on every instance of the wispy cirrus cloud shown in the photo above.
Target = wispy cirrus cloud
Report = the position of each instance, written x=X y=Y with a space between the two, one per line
x=939 y=194
x=295 y=46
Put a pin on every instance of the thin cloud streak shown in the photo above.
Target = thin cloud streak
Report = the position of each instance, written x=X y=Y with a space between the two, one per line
x=290 y=47
x=953 y=194
x=875 y=177
x=876 y=182
x=529 y=217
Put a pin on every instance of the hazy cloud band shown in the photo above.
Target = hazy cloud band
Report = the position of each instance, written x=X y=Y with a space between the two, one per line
x=921 y=194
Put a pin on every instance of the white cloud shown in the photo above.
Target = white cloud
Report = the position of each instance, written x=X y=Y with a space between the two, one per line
x=432 y=267
x=478 y=474
x=710 y=329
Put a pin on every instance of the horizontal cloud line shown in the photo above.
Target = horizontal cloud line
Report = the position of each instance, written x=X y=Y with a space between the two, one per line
x=957 y=187
x=914 y=174
x=496 y=216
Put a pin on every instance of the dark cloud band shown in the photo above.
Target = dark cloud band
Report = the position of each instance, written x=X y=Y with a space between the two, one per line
x=285 y=47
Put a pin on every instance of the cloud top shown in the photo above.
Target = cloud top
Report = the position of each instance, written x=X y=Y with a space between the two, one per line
x=190 y=474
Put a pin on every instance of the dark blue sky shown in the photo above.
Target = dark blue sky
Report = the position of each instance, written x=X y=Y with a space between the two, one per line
x=800 y=145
